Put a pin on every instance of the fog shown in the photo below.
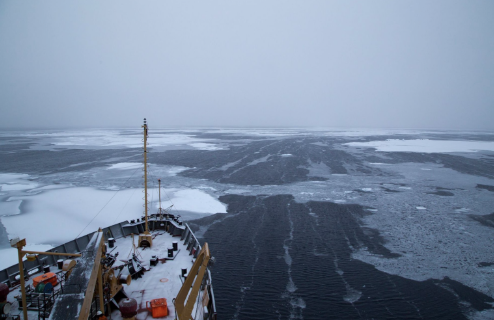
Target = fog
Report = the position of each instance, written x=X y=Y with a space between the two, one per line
x=386 y=64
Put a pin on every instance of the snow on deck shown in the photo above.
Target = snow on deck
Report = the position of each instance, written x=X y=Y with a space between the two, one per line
x=163 y=280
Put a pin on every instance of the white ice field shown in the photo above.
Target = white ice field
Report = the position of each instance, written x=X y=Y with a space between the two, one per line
x=55 y=214
x=426 y=145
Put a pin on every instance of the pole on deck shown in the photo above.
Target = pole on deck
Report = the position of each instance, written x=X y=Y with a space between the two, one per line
x=145 y=126
x=100 y=292
x=159 y=189
x=19 y=245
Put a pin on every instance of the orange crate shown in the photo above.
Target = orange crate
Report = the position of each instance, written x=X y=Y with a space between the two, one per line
x=45 y=278
x=159 y=308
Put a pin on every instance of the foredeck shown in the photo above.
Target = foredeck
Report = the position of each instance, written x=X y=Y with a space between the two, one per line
x=163 y=280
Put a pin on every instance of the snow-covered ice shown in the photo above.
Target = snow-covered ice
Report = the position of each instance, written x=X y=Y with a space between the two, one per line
x=16 y=182
x=197 y=201
x=425 y=145
x=10 y=207
x=117 y=139
x=10 y=257
x=59 y=215
x=126 y=165
x=205 y=146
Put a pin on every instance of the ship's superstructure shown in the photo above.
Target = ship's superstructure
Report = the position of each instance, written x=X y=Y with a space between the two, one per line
x=150 y=267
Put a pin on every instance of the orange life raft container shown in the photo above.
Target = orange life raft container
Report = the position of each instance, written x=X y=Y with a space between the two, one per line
x=159 y=308
x=45 y=278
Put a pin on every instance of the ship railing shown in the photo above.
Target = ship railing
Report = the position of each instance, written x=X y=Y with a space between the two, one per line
x=194 y=246
x=8 y=274
x=212 y=302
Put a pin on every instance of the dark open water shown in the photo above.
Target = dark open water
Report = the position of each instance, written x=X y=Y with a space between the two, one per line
x=276 y=260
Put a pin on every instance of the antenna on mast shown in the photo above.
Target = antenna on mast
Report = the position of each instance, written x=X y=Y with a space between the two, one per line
x=145 y=239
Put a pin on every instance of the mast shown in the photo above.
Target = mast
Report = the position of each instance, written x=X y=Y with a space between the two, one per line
x=145 y=126
x=159 y=190
x=145 y=238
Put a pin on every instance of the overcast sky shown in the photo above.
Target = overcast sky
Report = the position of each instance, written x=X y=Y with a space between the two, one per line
x=392 y=64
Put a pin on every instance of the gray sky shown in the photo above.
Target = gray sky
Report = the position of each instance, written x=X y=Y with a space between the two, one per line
x=393 y=64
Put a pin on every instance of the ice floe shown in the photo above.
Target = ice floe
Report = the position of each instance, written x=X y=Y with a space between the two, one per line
x=425 y=145
x=118 y=139
x=205 y=146
x=197 y=201
x=16 y=182
x=125 y=166
x=10 y=257
x=10 y=207
x=56 y=216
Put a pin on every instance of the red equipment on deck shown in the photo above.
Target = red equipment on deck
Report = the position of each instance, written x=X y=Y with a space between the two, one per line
x=159 y=308
x=45 y=278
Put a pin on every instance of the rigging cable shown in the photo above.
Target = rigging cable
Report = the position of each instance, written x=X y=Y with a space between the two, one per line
x=125 y=205
x=105 y=205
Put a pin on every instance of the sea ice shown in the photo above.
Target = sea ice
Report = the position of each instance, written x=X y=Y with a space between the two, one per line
x=10 y=207
x=13 y=177
x=126 y=165
x=425 y=145
x=205 y=146
x=197 y=201
x=18 y=186
x=174 y=170
x=117 y=139
x=10 y=257
x=57 y=216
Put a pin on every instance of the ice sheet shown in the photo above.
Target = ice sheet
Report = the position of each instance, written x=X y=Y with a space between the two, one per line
x=197 y=201
x=15 y=182
x=13 y=177
x=118 y=138
x=131 y=141
x=57 y=216
x=125 y=165
x=10 y=257
x=425 y=145
x=10 y=207
x=205 y=146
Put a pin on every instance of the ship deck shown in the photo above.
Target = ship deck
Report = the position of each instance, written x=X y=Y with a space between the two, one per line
x=161 y=281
